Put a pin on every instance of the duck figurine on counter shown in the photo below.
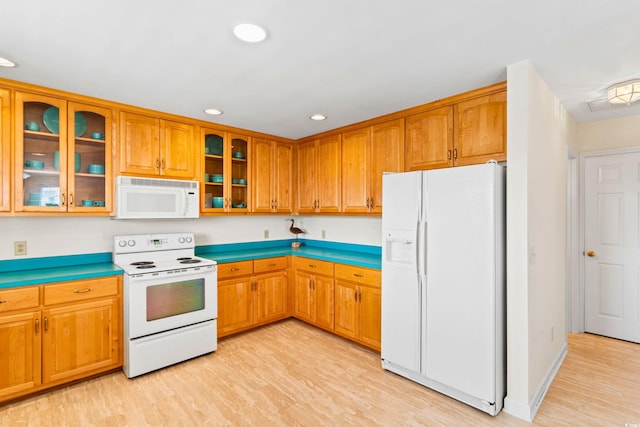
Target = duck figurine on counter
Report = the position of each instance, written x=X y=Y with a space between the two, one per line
x=296 y=231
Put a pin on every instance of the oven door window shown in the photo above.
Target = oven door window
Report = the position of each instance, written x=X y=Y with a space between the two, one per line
x=173 y=299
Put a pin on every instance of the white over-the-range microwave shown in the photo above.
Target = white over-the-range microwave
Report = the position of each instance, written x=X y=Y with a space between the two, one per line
x=154 y=198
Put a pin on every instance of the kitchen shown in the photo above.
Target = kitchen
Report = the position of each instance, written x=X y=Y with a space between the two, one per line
x=530 y=360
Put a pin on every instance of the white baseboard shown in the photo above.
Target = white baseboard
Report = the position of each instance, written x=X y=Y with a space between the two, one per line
x=528 y=411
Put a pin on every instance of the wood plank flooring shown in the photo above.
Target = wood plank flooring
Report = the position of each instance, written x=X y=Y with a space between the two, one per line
x=292 y=374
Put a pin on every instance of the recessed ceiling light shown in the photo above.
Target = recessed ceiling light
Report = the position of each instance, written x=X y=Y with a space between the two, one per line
x=250 y=33
x=318 y=117
x=213 y=111
x=4 y=62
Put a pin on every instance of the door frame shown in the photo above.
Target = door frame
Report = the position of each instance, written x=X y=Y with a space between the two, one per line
x=579 y=293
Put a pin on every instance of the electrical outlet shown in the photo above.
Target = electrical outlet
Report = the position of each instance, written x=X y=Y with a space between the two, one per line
x=20 y=248
x=266 y=234
x=324 y=234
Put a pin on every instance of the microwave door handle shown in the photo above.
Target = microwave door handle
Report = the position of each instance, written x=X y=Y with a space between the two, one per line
x=186 y=202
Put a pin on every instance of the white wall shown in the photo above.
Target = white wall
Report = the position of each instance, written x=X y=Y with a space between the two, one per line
x=539 y=130
x=609 y=134
x=53 y=236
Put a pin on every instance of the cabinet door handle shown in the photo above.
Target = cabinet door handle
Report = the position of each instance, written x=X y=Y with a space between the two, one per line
x=157 y=163
x=355 y=295
x=162 y=165
x=448 y=154
x=358 y=275
x=455 y=153
x=46 y=324
x=275 y=204
x=70 y=199
x=82 y=291
x=62 y=201
x=37 y=326
x=3 y=301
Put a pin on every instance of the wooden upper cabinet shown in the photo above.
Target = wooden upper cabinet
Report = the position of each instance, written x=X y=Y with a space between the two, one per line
x=5 y=152
x=356 y=147
x=366 y=154
x=272 y=176
x=283 y=177
x=151 y=146
x=481 y=129
x=319 y=175
x=139 y=144
x=429 y=140
x=178 y=152
x=387 y=149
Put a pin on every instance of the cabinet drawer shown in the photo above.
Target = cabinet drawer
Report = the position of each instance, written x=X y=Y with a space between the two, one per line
x=269 y=264
x=235 y=269
x=314 y=266
x=366 y=276
x=80 y=290
x=19 y=298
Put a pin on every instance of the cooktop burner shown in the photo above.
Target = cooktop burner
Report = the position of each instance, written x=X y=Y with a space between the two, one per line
x=142 y=263
x=146 y=266
x=190 y=261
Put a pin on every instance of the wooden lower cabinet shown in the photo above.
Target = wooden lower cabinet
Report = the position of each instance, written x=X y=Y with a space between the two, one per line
x=314 y=299
x=314 y=290
x=251 y=293
x=20 y=354
x=358 y=300
x=54 y=334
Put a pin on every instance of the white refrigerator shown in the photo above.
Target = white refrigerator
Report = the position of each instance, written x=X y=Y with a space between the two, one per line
x=443 y=281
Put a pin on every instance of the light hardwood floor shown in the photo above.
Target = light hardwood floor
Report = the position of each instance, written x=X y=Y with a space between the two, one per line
x=292 y=374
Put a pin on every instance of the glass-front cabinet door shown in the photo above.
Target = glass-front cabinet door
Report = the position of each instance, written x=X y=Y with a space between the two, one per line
x=63 y=156
x=225 y=180
x=89 y=158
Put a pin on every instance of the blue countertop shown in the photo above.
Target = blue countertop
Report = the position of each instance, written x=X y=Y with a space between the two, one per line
x=38 y=271
x=345 y=253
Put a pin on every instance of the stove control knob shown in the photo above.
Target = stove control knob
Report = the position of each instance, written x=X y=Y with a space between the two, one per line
x=122 y=243
x=131 y=242
x=180 y=239
x=189 y=239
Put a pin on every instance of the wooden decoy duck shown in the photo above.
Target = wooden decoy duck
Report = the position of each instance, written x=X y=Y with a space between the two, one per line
x=295 y=230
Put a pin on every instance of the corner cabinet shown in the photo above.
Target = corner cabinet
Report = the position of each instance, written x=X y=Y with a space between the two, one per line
x=318 y=175
x=58 y=333
x=225 y=180
x=155 y=147
x=313 y=289
x=366 y=154
x=63 y=156
x=272 y=177
x=5 y=150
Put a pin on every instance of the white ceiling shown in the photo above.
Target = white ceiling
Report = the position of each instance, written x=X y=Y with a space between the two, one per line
x=349 y=59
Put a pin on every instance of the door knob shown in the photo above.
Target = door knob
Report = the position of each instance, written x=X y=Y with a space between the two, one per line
x=591 y=253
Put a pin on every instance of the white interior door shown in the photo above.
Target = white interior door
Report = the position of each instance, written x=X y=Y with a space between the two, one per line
x=612 y=246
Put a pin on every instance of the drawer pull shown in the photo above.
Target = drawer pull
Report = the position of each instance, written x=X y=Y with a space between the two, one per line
x=312 y=266
x=3 y=301
x=358 y=275
x=273 y=264
x=231 y=270
x=82 y=291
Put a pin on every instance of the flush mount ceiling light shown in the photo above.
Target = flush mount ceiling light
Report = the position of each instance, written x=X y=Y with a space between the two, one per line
x=624 y=93
x=318 y=117
x=4 y=62
x=213 y=111
x=250 y=33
